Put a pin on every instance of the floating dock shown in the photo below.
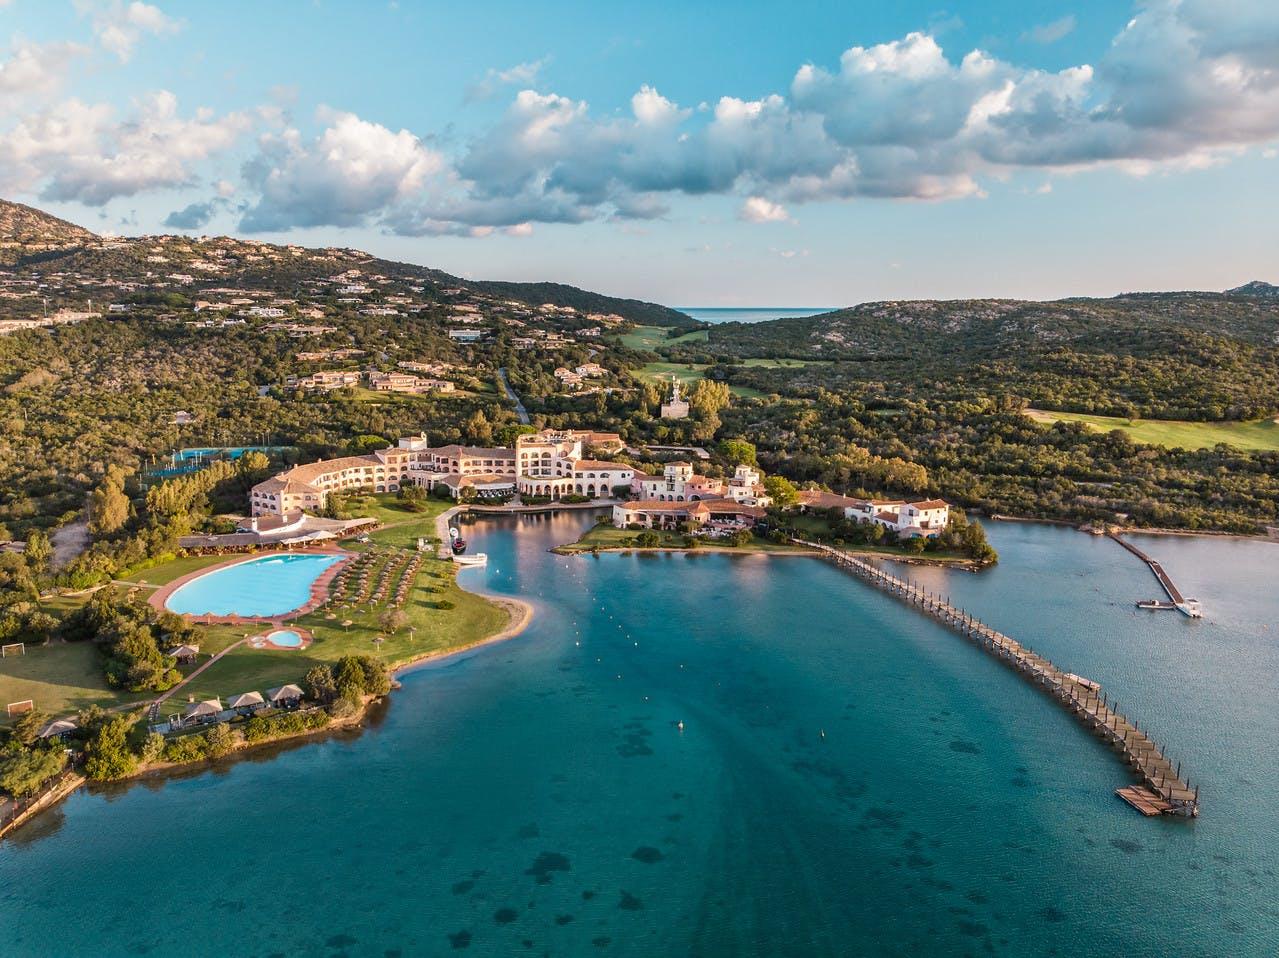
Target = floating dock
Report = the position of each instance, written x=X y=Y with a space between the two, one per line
x=1185 y=606
x=1162 y=790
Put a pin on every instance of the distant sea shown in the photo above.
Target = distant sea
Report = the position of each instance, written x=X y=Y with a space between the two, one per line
x=750 y=314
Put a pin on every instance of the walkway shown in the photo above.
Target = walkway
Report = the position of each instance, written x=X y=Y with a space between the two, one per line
x=1188 y=606
x=1163 y=790
x=510 y=394
x=154 y=711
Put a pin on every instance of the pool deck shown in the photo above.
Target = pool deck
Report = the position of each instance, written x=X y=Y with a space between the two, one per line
x=319 y=589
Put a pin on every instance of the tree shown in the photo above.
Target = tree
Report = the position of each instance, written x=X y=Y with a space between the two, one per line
x=392 y=620
x=221 y=740
x=782 y=491
x=26 y=731
x=107 y=753
x=23 y=770
x=38 y=552
x=319 y=684
x=152 y=748
x=738 y=452
x=479 y=428
x=108 y=505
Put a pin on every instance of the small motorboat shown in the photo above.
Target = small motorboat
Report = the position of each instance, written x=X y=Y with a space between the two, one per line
x=459 y=546
x=478 y=559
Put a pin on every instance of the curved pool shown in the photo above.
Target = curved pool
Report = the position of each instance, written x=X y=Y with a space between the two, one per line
x=285 y=639
x=269 y=586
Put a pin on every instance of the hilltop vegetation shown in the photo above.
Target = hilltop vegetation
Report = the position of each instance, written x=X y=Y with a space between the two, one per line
x=1206 y=356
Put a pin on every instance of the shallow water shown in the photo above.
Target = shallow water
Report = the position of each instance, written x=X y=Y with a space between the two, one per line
x=850 y=778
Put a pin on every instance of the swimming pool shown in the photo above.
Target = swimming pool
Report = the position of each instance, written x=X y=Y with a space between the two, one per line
x=269 y=586
x=285 y=639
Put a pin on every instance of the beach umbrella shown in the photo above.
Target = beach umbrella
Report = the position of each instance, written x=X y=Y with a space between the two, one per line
x=347 y=623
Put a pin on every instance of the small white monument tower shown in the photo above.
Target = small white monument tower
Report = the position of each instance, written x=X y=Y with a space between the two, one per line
x=677 y=408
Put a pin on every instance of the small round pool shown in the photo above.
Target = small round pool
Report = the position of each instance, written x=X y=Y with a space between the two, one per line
x=285 y=639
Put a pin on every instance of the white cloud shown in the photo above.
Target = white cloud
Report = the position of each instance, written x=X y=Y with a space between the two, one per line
x=120 y=25
x=78 y=151
x=522 y=74
x=1047 y=33
x=36 y=68
x=756 y=209
x=353 y=169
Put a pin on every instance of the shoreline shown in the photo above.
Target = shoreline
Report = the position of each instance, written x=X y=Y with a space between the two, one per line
x=965 y=565
x=519 y=615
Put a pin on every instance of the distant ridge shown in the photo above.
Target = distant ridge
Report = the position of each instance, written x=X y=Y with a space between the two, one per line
x=1255 y=288
x=26 y=231
x=30 y=237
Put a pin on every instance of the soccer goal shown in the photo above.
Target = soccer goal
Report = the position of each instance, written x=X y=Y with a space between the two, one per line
x=13 y=648
x=18 y=708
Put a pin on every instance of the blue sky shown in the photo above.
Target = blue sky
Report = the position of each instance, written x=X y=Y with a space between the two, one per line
x=746 y=154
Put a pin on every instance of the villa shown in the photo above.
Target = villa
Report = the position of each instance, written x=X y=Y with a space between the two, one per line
x=679 y=483
x=325 y=379
x=551 y=464
x=925 y=518
x=705 y=514
x=406 y=383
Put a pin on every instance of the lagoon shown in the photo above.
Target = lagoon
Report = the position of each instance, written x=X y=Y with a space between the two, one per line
x=850 y=778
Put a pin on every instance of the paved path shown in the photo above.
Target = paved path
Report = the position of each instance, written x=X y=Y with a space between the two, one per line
x=178 y=688
x=510 y=394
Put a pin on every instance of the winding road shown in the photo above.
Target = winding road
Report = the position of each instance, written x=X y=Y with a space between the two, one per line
x=510 y=394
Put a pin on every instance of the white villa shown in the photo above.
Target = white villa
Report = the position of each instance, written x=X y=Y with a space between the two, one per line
x=927 y=518
x=705 y=514
x=551 y=463
x=679 y=483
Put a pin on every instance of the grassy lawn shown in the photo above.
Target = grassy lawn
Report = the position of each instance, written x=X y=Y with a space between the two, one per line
x=651 y=337
x=1173 y=433
x=61 y=678
x=166 y=572
x=400 y=527
x=433 y=630
x=608 y=537
x=688 y=374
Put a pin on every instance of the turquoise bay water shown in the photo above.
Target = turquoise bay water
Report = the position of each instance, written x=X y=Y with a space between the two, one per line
x=749 y=314
x=850 y=778
x=272 y=585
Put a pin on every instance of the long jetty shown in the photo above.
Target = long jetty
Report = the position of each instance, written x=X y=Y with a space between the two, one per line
x=1186 y=606
x=1162 y=790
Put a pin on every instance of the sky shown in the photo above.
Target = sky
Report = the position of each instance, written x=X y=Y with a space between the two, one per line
x=745 y=154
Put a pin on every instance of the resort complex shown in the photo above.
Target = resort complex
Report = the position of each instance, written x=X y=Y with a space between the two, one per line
x=549 y=464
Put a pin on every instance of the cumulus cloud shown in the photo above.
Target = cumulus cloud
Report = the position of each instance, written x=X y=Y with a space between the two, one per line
x=120 y=25
x=756 y=209
x=79 y=151
x=36 y=68
x=1183 y=83
x=352 y=170
x=522 y=74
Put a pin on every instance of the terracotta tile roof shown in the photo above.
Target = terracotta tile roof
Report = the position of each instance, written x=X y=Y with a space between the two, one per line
x=583 y=464
x=931 y=504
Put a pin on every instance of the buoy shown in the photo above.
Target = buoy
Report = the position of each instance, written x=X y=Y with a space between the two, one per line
x=681 y=725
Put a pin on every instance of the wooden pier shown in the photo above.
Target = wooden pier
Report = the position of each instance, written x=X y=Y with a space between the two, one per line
x=1162 y=790
x=1179 y=602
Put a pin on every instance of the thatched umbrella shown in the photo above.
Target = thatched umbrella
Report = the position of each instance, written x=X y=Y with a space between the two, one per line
x=347 y=623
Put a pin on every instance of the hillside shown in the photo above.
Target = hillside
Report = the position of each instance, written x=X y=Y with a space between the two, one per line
x=1209 y=356
x=26 y=231
x=32 y=238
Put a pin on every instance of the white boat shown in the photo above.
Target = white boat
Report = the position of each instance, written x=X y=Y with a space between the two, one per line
x=479 y=558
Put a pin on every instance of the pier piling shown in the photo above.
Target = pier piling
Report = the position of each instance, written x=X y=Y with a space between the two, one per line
x=1162 y=790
